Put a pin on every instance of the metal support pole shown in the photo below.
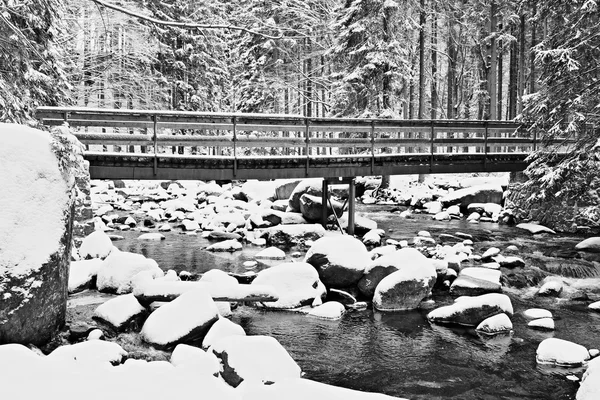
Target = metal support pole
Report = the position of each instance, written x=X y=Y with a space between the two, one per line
x=234 y=147
x=155 y=140
x=351 y=206
x=324 y=198
x=534 y=139
x=372 y=147
x=431 y=146
x=485 y=147
x=66 y=117
x=307 y=140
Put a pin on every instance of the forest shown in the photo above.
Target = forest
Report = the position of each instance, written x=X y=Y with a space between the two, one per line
x=537 y=61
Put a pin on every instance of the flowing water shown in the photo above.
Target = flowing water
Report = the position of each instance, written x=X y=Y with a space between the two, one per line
x=402 y=354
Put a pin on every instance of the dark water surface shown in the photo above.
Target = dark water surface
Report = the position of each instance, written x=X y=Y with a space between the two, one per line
x=402 y=354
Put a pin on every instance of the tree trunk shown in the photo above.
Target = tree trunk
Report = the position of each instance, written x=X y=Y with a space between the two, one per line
x=434 y=94
x=422 y=22
x=521 y=68
x=500 y=79
x=532 y=55
x=492 y=64
x=512 y=78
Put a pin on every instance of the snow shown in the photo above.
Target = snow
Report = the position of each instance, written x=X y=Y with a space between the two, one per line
x=218 y=277
x=152 y=236
x=118 y=269
x=491 y=252
x=257 y=358
x=486 y=274
x=562 y=353
x=590 y=382
x=176 y=319
x=328 y=310
x=95 y=334
x=96 y=245
x=499 y=323
x=119 y=310
x=411 y=266
x=271 y=253
x=198 y=360
x=594 y=306
x=535 y=313
x=226 y=245
x=345 y=250
x=221 y=329
x=35 y=200
x=81 y=272
x=535 y=228
x=542 y=323
x=302 y=389
x=591 y=244
x=295 y=282
x=93 y=351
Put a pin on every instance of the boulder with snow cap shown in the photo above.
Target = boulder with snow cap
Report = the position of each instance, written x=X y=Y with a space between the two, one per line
x=591 y=244
x=230 y=245
x=473 y=281
x=313 y=186
x=405 y=288
x=329 y=310
x=546 y=324
x=561 y=353
x=82 y=274
x=298 y=284
x=254 y=358
x=340 y=260
x=535 y=228
x=219 y=277
x=271 y=253
x=381 y=267
x=98 y=351
x=121 y=313
x=499 y=323
x=195 y=359
x=311 y=207
x=118 y=269
x=289 y=235
x=221 y=329
x=489 y=193
x=154 y=236
x=96 y=245
x=471 y=311
x=186 y=319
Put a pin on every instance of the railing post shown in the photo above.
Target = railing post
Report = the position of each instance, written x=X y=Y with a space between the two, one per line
x=66 y=117
x=372 y=146
x=485 y=146
x=431 y=146
x=155 y=140
x=307 y=140
x=234 y=147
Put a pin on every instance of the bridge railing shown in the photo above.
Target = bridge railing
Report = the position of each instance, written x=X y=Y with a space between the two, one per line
x=255 y=135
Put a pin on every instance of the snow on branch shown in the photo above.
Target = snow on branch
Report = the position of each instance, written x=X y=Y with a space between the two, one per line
x=184 y=25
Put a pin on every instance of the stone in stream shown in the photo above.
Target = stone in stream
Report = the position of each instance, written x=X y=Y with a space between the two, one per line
x=222 y=235
x=254 y=358
x=562 y=353
x=289 y=235
x=340 y=260
x=218 y=277
x=542 y=324
x=536 y=313
x=311 y=207
x=340 y=296
x=118 y=269
x=185 y=319
x=96 y=245
x=471 y=311
x=221 y=329
x=92 y=351
x=535 y=228
x=296 y=283
x=381 y=267
x=594 y=306
x=589 y=389
x=121 y=313
x=509 y=262
x=189 y=225
x=164 y=228
x=197 y=360
x=489 y=253
x=512 y=249
x=474 y=281
x=551 y=288
x=82 y=274
x=331 y=310
x=591 y=245
x=489 y=193
x=271 y=253
x=474 y=217
x=95 y=334
x=226 y=245
x=152 y=236
x=499 y=323
x=372 y=238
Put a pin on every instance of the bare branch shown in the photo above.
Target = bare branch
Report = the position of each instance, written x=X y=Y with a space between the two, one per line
x=183 y=25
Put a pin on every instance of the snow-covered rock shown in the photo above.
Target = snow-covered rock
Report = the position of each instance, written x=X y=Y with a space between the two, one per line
x=328 y=310
x=311 y=207
x=271 y=253
x=296 y=283
x=254 y=358
x=185 y=319
x=98 y=351
x=96 y=245
x=372 y=238
x=196 y=359
x=535 y=228
x=471 y=311
x=289 y=235
x=38 y=172
x=81 y=274
x=551 y=288
x=258 y=190
x=340 y=260
x=118 y=269
x=536 y=313
x=562 y=353
x=312 y=187
x=473 y=281
x=218 y=277
x=95 y=334
x=189 y=225
x=591 y=244
x=120 y=312
x=499 y=323
x=594 y=306
x=405 y=288
x=489 y=193
x=221 y=329
x=491 y=252
x=155 y=236
x=589 y=388
x=542 y=323
x=226 y=245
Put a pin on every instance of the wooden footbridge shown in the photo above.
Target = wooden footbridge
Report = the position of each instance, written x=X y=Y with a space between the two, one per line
x=136 y=144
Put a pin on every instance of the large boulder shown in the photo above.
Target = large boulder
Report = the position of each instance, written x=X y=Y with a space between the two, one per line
x=121 y=313
x=96 y=245
x=490 y=193
x=96 y=351
x=381 y=267
x=340 y=260
x=254 y=358
x=590 y=382
x=37 y=176
x=118 y=269
x=311 y=207
x=285 y=187
x=82 y=274
x=312 y=187
x=186 y=319
x=562 y=353
x=221 y=329
x=195 y=359
x=591 y=244
x=405 y=288
x=290 y=235
x=297 y=283
x=473 y=281
x=253 y=190
x=471 y=311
